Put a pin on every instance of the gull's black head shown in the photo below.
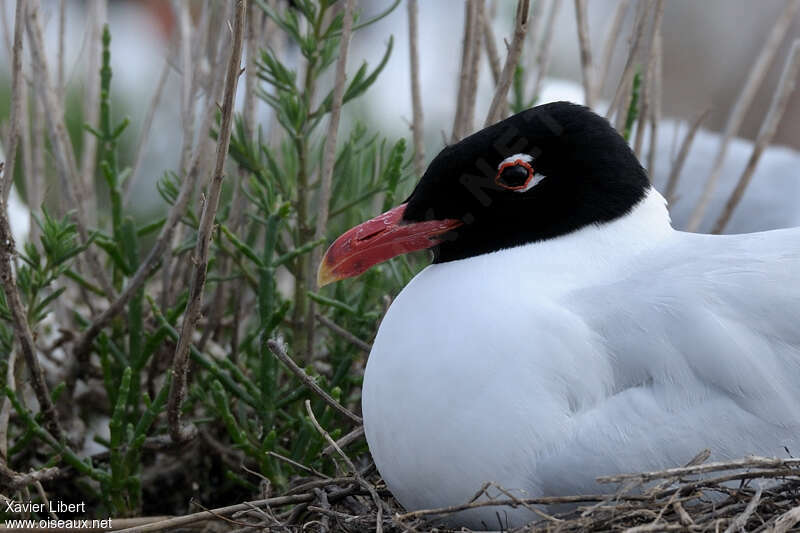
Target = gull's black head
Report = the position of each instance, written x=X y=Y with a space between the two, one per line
x=545 y=172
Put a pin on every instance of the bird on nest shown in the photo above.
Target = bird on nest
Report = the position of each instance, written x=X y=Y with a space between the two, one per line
x=565 y=330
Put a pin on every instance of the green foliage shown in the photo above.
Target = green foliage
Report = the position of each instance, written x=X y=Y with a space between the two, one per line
x=633 y=108
x=240 y=397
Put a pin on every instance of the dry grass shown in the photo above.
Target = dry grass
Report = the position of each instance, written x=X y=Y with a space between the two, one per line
x=750 y=494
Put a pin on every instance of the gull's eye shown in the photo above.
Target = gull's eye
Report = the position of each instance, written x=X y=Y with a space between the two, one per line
x=515 y=173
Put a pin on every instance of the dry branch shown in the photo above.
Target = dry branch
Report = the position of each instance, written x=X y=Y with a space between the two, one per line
x=417 y=121
x=647 y=77
x=612 y=36
x=780 y=100
x=189 y=170
x=16 y=112
x=470 y=51
x=736 y=117
x=343 y=333
x=545 y=49
x=677 y=166
x=491 y=48
x=278 y=350
x=145 y=133
x=19 y=320
x=512 y=59
x=61 y=145
x=180 y=362
x=586 y=52
x=97 y=18
x=329 y=157
x=623 y=93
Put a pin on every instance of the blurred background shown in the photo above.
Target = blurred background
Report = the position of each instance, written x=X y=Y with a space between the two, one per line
x=708 y=51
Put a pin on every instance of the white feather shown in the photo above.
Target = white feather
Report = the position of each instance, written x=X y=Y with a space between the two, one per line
x=626 y=346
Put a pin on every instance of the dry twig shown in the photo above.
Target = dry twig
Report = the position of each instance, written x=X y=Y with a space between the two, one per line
x=545 y=49
x=59 y=140
x=343 y=333
x=735 y=119
x=16 y=112
x=647 y=85
x=515 y=49
x=417 y=121
x=612 y=36
x=780 y=99
x=20 y=322
x=468 y=79
x=622 y=95
x=586 y=52
x=200 y=257
x=677 y=165
x=278 y=350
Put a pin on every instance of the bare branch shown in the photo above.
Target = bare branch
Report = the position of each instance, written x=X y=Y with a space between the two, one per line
x=514 y=51
x=677 y=166
x=329 y=157
x=647 y=77
x=612 y=36
x=655 y=115
x=777 y=107
x=735 y=119
x=491 y=47
x=468 y=79
x=363 y=482
x=190 y=173
x=586 y=52
x=62 y=22
x=145 y=133
x=545 y=50
x=60 y=142
x=278 y=350
x=19 y=319
x=417 y=122
x=15 y=116
x=343 y=333
x=98 y=11
x=623 y=93
x=200 y=257
x=5 y=410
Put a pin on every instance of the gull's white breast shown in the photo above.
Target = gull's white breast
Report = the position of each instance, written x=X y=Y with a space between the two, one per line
x=620 y=347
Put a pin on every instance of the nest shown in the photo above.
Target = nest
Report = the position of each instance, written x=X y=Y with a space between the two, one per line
x=751 y=494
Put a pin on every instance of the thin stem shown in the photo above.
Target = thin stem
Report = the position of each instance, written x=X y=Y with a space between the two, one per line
x=280 y=352
x=545 y=50
x=469 y=47
x=623 y=95
x=647 y=77
x=146 y=129
x=612 y=36
x=62 y=22
x=512 y=59
x=582 y=23
x=60 y=142
x=417 y=123
x=735 y=119
x=329 y=157
x=491 y=47
x=777 y=107
x=15 y=117
x=18 y=318
x=200 y=257
x=677 y=166
x=97 y=20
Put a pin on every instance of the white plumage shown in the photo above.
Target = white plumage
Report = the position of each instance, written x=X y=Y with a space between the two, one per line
x=624 y=346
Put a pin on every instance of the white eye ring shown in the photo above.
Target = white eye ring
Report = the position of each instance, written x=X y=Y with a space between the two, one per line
x=523 y=160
